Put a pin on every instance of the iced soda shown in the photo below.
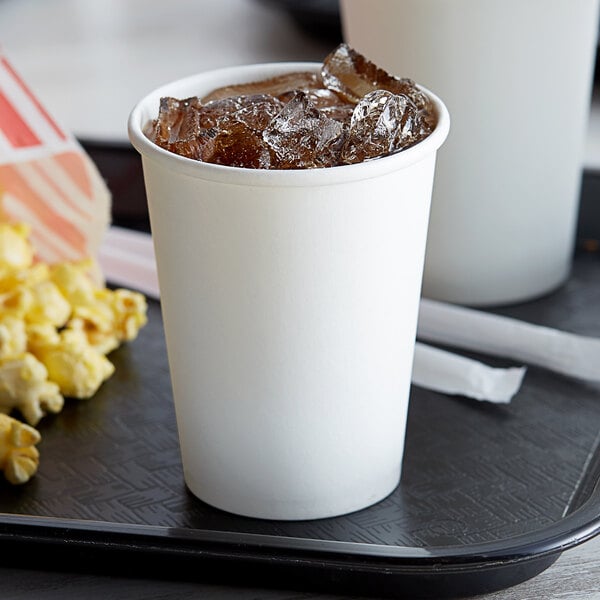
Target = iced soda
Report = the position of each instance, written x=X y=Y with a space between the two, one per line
x=349 y=112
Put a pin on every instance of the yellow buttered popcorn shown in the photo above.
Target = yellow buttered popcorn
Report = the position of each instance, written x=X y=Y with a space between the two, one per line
x=13 y=336
x=129 y=309
x=115 y=316
x=14 y=279
x=76 y=366
x=15 y=250
x=48 y=305
x=24 y=386
x=16 y=302
x=74 y=282
x=57 y=326
x=19 y=458
x=96 y=322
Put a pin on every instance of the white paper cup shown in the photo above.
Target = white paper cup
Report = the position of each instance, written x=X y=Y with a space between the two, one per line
x=516 y=76
x=290 y=306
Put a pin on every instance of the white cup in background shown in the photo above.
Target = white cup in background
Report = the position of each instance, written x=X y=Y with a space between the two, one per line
x=290 y=303
x=516 y=77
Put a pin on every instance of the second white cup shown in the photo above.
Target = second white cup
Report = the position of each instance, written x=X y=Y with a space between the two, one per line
x=516 y=76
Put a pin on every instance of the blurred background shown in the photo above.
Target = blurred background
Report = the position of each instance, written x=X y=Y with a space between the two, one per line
x=89 y=62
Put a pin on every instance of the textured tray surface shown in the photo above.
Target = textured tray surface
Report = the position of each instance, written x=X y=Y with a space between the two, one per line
x=473 y=472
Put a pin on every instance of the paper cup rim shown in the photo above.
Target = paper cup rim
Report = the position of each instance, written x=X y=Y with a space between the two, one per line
x=147 y=108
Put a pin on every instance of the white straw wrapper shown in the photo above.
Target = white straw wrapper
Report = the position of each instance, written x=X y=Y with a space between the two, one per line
x=126 y=258
x=566 y=353
x=450 y=373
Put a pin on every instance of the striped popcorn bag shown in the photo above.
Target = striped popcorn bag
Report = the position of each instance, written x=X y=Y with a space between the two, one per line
x=46 y=178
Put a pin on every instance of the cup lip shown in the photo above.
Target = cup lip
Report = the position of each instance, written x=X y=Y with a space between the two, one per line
x=198 y=84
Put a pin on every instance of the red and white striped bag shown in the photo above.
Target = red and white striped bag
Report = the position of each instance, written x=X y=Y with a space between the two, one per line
x=46 y=178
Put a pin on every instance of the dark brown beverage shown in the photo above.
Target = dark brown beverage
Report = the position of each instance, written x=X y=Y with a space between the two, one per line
x=349 y=112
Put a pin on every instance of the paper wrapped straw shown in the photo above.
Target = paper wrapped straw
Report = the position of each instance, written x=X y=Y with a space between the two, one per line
x=127 y=258
x=449 y=373
x=566 y=353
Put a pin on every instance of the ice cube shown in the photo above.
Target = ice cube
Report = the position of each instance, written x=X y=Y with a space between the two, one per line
x=302 y=137
x=178 y=129
x=238 y=145
x=351 y=75
x=238 y=124
x=382 y=123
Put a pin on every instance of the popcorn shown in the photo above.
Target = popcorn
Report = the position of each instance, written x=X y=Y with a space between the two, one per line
x=40 y=335
x=23 y=278
x=19 y=458
x=13 y=337
x=15 y=250
x=48 y=305
x=16 y=303
x=76 y=366
x=50 y=183
x=112 y=318
x=129 y=309
x=56 y=327
x=106 y=317
x=73 y=282
x=96 y=323
x=24 y=385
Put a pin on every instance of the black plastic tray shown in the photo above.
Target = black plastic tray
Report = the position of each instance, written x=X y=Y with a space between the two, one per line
x=490 y=495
